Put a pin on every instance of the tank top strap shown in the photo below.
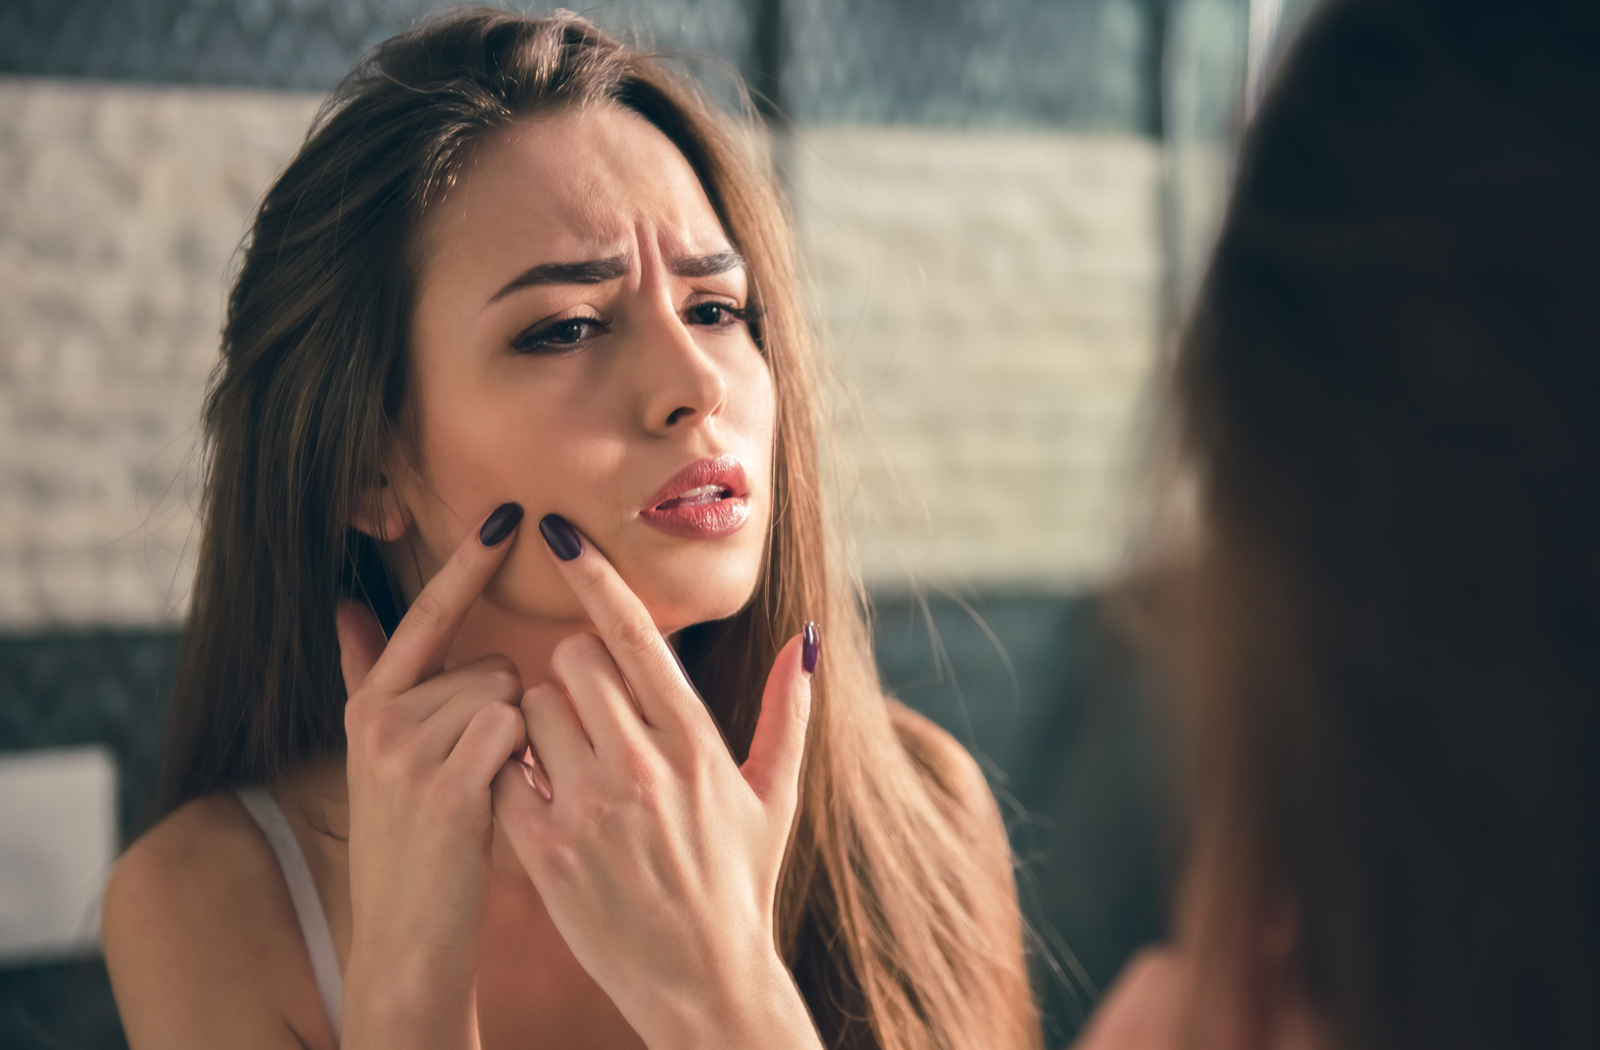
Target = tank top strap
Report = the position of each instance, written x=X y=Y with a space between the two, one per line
x=258 y=801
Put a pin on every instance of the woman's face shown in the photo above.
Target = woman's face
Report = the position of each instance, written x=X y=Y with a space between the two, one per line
x=578 y=347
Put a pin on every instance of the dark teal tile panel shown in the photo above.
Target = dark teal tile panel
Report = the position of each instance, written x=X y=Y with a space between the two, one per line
x=1087 y=64
x=1015 y=63
x=64 y=1006
x=93 y=687
x=300 y=44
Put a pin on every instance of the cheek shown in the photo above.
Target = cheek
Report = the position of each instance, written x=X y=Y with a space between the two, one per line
x=479 y=448
x=755 y=412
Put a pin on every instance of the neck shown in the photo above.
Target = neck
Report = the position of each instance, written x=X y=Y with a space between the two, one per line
x=525 y=641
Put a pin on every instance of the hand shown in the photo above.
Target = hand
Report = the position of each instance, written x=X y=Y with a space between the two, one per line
x=656 y=856
x=424 y=748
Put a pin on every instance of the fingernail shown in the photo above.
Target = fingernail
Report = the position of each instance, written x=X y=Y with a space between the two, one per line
x=810 y=647
x=499 y=524
x=561 y=536
x=536 y=773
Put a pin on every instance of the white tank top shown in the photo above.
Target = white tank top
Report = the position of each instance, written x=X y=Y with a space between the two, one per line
x=303 y=892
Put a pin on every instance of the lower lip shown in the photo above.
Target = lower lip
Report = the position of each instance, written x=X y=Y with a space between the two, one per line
x=703 y=521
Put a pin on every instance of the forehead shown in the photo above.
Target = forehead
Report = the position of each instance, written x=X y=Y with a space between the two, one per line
x=575 y=184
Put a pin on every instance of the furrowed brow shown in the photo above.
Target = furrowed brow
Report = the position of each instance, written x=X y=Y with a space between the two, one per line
x=707 y=265
x=594 y=271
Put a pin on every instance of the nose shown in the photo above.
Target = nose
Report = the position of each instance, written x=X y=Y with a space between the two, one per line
x=681 y=385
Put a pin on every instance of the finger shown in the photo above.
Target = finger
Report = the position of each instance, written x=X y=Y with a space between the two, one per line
x=772 y=768
x=556 y=735
x=584 y=669
x=440 y=734
x=361 y=642
x=625 y=625
x=493 y=736
x=424 y=701
x=420 y=642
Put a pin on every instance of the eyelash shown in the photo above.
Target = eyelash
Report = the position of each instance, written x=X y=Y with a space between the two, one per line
x=551 y=339
x=567 y=334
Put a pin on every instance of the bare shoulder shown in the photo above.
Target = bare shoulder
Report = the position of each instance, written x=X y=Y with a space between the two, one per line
x=953 y=771
x=201 y=939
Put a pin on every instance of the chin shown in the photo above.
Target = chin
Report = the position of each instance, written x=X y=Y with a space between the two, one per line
x=679 y=590
x=700 y=597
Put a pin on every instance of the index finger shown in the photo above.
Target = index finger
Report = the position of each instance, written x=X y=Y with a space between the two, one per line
x=625 y=625
x=417 y=648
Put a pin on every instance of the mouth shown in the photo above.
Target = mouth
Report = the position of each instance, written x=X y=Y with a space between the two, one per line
x=707 y=499
x=696 y=497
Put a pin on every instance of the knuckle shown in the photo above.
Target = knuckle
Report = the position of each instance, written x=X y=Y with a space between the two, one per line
x=642 y=773
x=562 y=861
x=705 y=765
x=706 y=749
x=501 y=683
x=504 y=719
x=637 y=636
x=800 y=710
x=427 y=612
x=384 y=727
x=600 y=818
x=395 y=766
x=574 y=650
x=369 y=730
x=538 y=696
x=498 y=662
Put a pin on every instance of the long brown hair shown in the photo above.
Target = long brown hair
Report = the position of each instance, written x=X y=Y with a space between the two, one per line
x=1391 y=392
x=896 y=910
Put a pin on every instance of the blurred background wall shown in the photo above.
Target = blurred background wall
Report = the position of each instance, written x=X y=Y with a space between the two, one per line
x=1002 y=205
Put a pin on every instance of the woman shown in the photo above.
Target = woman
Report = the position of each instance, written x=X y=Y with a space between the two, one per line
x=519 y=269
x=1389 y=392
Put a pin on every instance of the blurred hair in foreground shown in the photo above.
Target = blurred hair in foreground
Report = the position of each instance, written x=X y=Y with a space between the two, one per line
x=1390 y=395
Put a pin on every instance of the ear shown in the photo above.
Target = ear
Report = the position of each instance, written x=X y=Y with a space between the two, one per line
x=379 y=511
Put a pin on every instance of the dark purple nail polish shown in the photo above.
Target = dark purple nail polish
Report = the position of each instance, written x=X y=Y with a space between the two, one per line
x=810 y=648
x=499 y=524
x=561 y=536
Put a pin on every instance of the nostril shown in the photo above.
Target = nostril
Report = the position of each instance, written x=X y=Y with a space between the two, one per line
x=679 y=413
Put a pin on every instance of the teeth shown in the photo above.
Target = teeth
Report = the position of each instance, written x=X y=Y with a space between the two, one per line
x=695 y=497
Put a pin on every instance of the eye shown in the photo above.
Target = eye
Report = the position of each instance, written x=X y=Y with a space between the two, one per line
x=558 y=336
x=715 y=315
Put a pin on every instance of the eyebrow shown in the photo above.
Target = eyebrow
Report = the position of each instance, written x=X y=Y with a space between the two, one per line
x=595 y=271
x=599 y=271
x=707 y=265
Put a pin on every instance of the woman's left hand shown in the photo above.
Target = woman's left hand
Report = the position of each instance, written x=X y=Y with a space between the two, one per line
x=656 y=855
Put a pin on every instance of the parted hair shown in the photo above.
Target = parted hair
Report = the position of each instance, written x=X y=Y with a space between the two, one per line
x=896 y=909
x=1391 y=392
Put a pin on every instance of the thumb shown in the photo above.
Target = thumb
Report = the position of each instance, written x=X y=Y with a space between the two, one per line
x=361 y=642
x=772 y=768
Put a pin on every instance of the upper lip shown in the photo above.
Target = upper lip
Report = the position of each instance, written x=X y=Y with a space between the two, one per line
x=725 y=471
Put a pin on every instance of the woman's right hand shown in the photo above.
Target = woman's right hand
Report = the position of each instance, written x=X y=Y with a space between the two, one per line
x=424 y=747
